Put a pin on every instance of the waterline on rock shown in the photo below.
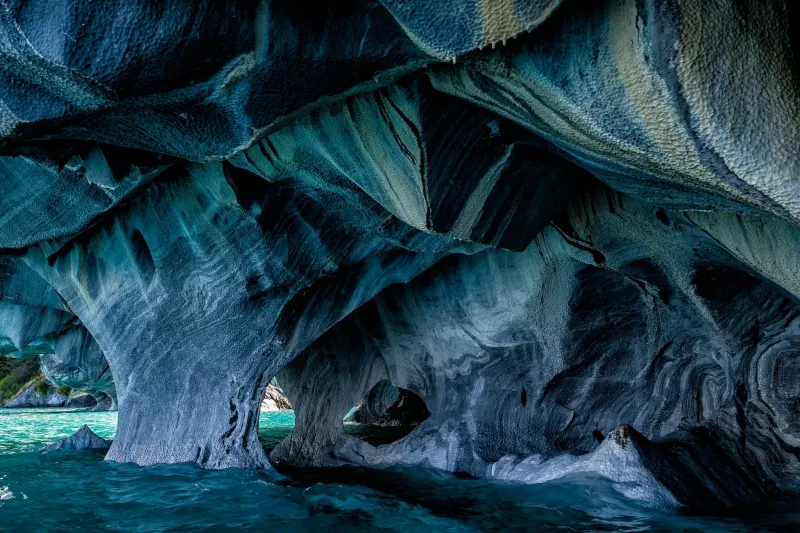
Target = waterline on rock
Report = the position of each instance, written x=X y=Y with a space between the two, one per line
x=78 y=491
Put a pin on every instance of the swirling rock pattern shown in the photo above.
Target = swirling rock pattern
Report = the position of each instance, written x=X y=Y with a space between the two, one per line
x=618 y=313
x=196 y=198
x=77 y=362
x=275 y=399
x=651 y=98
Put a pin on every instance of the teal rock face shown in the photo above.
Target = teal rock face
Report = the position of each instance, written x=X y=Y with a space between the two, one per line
x=569 y=228
x=77 y=362
x=581 y=332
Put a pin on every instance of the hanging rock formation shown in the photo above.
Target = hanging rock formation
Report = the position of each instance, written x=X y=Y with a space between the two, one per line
x=77 y=362
x=544 y=220
x=36 y=322
x=29 y=397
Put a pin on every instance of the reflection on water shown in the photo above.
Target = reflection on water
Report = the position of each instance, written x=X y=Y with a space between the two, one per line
x=79 y=492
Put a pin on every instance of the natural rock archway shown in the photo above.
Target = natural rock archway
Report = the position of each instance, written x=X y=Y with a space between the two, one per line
x=625 y=314
x=551 y=221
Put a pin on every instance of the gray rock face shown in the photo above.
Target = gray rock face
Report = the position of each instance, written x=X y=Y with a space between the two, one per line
x=83 y=439
x=28 y=397
x=301 y=265
x=323 y=388
x=196 y=199
x=375 y=404
x=625 y=314
x=660 y=118
x=77 y=362
x=274 y=399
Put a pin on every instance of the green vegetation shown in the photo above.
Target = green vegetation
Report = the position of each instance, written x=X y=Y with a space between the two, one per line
x=15 y=373
x=40 y=386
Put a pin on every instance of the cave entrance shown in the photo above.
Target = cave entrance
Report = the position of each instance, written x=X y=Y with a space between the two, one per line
x=386 y=414
x=276 y=419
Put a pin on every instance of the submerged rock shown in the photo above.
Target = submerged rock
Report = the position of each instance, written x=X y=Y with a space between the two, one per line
x=83 y=439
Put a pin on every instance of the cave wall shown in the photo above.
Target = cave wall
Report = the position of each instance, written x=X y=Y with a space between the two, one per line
x=680 y=102
x=618 y=313
x=196 y=198
x=232 y=269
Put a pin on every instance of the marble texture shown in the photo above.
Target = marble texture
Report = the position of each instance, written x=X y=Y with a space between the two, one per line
x=618 y=313
x=274 y=398
x=83 y=439
x=550 y=221
x=28 y=397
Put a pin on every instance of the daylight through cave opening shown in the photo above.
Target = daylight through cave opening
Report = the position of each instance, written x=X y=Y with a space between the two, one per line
x=387 y=414
x=590 y=230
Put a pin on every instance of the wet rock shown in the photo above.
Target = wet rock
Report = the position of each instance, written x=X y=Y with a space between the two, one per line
x=83 y=439
x=618 y=318
x=623 y=457
x=695 y=470
x=658 y=118
x=375 y=404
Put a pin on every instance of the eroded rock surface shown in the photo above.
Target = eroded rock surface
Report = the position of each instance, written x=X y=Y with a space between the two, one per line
x=30 y=397
x=275 y=399
x=83 y=439
x=618 y=313
x=77 y=362
x=543 y=220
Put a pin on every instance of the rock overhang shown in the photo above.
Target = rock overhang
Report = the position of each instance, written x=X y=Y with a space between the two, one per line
x=200 y=227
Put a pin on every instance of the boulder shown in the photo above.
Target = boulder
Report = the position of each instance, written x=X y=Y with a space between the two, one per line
x=83 y=439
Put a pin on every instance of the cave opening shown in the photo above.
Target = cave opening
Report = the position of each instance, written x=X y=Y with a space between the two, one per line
x=386 y=414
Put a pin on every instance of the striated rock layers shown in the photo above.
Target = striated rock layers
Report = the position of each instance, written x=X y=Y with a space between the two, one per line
x=275 y=399
x=550 y=236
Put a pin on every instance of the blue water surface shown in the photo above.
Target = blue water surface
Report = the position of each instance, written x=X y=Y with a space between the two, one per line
x=78 y=491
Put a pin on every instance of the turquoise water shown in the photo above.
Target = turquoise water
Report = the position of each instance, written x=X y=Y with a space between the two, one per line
x=80 y=492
